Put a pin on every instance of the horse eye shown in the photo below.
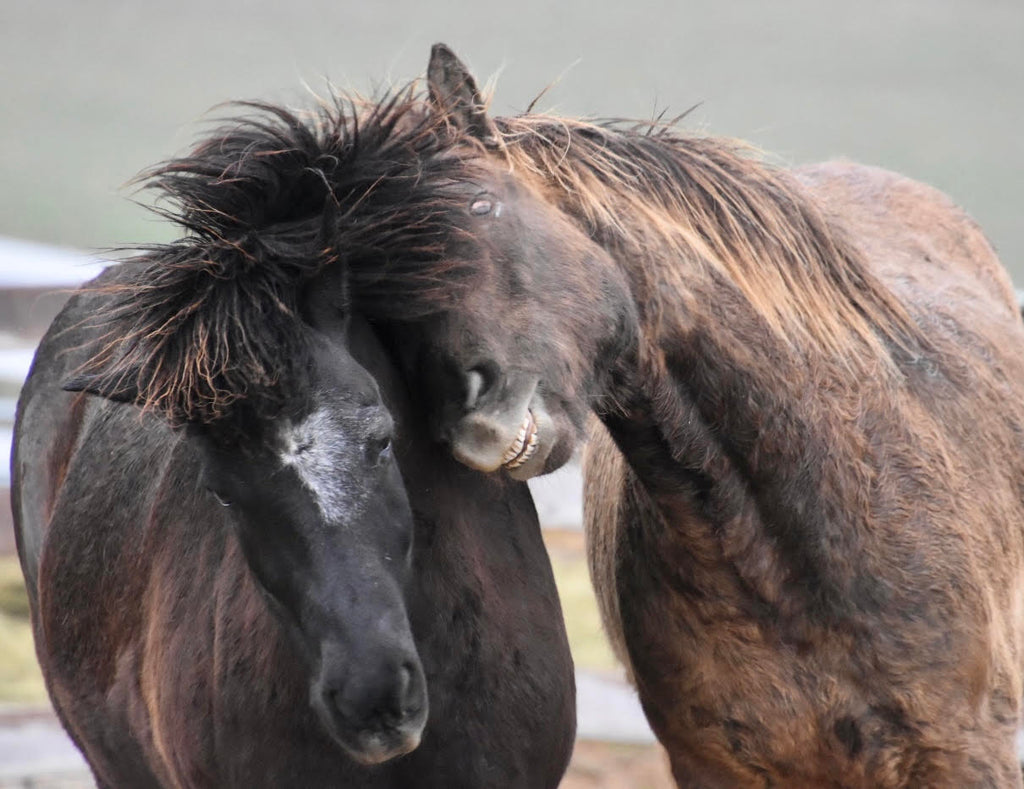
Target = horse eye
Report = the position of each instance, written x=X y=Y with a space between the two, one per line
x=480 y=207
x=378 y=449
x=221 y=500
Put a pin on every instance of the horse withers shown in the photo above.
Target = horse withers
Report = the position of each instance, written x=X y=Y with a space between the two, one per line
x=230 y=583
x=804 y=522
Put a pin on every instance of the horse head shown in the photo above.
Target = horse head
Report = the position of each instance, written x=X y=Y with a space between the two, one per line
x=294 y=442
x=511 y=363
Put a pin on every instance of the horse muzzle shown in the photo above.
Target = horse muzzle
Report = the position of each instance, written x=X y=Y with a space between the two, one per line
x=512 y=433
x=375 y=712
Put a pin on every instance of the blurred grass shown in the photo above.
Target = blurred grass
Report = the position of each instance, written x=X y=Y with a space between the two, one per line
x=590 y=648
x=21 y=682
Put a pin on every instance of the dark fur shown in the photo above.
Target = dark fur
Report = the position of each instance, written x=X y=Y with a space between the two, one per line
x=161 y=655
x=269 y=201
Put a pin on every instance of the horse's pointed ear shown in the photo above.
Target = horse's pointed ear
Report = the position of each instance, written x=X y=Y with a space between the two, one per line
x=122 y=390
x=453 y=91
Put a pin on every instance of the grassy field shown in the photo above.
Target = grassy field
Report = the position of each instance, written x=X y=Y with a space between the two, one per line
x=21 y=683
x=20 y=680
x=590 y=648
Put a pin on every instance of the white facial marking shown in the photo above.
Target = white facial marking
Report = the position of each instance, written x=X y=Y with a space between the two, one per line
x=321 y=455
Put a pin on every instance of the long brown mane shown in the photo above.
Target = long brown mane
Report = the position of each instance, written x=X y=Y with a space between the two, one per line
x=641 y=188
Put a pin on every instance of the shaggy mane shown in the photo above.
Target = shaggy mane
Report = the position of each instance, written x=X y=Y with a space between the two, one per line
x=275 y=196
x=642 y=187
x=266 y=203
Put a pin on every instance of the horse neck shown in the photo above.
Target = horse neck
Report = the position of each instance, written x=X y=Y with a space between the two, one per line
x=757 y=320
x=724 y=404
x=752 y=455
x=732 y=415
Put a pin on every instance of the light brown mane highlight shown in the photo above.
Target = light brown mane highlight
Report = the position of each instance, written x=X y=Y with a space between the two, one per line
x=729 y=215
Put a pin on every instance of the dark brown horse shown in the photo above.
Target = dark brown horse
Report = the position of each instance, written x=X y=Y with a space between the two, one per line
x=229 y=587
x=806 y=519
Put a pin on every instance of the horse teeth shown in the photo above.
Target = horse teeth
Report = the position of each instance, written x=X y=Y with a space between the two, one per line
x=515 y=449
x=523 y=449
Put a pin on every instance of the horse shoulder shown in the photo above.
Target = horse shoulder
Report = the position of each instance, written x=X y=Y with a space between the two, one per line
x=48 y=427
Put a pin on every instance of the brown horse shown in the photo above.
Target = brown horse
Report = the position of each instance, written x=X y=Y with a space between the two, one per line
x=805 y=519
x=231 y=583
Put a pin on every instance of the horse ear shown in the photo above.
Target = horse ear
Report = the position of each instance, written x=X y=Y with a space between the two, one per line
x=122 y=390
x=453 y=91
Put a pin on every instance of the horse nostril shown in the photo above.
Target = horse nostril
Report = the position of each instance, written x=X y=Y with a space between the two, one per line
x=474 y=386
x=336 y=703
x=384 y=700
x=408 y=692
x=479 y=381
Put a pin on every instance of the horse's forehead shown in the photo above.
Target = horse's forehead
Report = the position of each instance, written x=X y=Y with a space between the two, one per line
x=324 y=449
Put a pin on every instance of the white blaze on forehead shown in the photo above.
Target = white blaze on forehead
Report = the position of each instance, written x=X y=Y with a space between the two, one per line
x=322 y=450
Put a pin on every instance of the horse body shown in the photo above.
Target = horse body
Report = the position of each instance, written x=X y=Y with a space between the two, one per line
x=879 y=645
x=809 y=550
x=199 y=615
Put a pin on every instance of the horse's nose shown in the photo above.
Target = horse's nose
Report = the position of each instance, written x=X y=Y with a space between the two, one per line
x=479 y=382
x=386 y=696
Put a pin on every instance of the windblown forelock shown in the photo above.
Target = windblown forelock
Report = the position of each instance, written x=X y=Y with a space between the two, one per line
x=268 y=201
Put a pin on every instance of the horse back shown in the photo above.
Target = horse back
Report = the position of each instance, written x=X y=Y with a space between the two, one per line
x=921 y=245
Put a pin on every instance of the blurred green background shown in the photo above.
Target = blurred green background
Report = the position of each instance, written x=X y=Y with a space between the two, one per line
x=92 y=91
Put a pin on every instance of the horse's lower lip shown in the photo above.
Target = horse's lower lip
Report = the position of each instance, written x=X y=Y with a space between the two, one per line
x=374 y=753
x=370 y=746
x=525 y=444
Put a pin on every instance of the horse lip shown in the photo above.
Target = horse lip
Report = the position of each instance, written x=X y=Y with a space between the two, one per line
x=525 y=443
x=482 y=443
x=376 y=746
x=470 y=454
x=372 y=749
